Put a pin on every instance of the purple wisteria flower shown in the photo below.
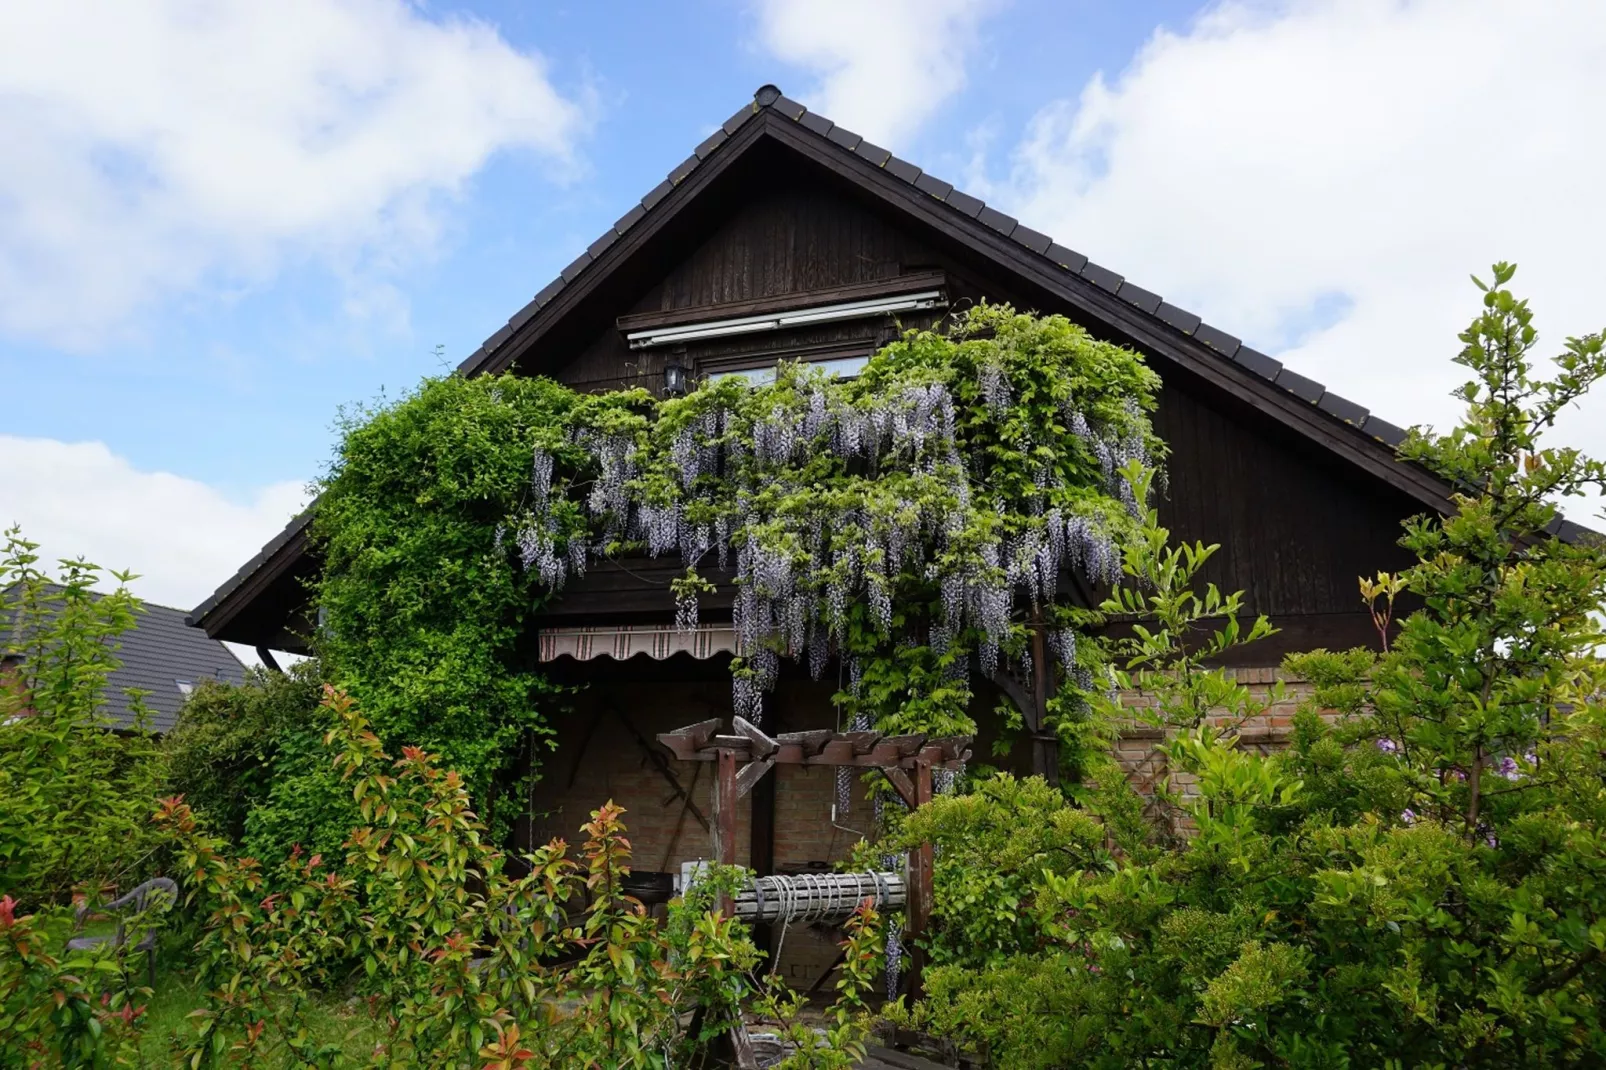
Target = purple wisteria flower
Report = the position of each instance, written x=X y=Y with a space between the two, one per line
x=1408 y=816
x=1388 y=746
x=1508 y=768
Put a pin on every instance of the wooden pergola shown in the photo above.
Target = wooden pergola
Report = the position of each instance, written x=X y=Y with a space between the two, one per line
x=743 y=757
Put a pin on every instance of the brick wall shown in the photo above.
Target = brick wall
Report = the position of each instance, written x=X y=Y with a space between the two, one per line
x=1137 y=748
x=598 y=757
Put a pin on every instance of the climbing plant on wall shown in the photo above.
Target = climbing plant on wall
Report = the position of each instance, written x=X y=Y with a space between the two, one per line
x=908 y=520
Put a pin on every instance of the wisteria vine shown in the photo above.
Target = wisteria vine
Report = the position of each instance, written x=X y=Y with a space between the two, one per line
x=966 y=479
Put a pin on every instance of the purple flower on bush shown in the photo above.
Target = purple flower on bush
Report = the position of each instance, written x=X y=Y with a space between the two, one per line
x=1508 y=768
x=1388 y=746
x=1408 y=816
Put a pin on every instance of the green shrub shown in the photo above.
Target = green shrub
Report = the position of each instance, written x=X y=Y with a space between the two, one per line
x=1421 y=882
x=251 y=762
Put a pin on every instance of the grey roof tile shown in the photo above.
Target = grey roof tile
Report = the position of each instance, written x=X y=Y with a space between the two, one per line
x=596 y=248
x=686 y=167
x=1180 y=318
x=523 y=315
x=1385 y=432
x=874 y=153
x=1036 y=241
x=1147 y=300
x=1343 y=408
x=1258 y=362
x=964 y=202
x=930 y=183
x=789 y=108
x=734 y=123
x=846 y=138
x=817 y=123
x=710 y=143
x=767 y=94
x=902 y=169
x=1101 y=277
x=549 y=291
x=1217 y=339
x=1299 y=386
x=1069 y=259
x=992 y=217
x=630 y=218
x=503 y=333
x=577 y=265
x=656 y=194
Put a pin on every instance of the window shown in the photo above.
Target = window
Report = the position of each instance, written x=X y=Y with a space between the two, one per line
x=842 y=367
x=185 y=686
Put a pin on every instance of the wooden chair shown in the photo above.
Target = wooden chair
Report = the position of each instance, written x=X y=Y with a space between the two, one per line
x=156 y=896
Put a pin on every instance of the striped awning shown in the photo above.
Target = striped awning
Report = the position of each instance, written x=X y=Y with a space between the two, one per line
x=656 y=641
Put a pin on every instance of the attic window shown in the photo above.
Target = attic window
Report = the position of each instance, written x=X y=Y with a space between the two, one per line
x=842 y=367
x=185 y=686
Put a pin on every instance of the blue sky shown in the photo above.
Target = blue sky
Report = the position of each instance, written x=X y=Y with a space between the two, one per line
x=196 y=286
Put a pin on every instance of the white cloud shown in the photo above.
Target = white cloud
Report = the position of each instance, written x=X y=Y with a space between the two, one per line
x=181 y=536
x=883 y=66
x=154 y=148
x=1357 y=156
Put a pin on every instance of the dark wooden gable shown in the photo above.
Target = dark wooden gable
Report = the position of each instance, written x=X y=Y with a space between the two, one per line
x=1300 y=486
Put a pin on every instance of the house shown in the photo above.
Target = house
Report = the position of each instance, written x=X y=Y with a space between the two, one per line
x=784 y=235
x=162 y=657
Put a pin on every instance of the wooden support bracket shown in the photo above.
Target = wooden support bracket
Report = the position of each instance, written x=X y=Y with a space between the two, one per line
x=751 y=774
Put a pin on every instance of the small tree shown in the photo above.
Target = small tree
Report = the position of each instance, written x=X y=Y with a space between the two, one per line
x=77 y=795
x=1421 y=883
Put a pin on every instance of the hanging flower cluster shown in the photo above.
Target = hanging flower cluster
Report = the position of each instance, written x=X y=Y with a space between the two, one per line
x=962 y=479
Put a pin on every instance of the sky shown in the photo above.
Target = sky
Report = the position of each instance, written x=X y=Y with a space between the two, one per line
x=220 y=222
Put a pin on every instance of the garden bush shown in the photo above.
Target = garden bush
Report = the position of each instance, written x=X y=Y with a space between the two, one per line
x=1420 y=879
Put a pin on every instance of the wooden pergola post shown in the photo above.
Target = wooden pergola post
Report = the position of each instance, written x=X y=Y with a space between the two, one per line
x=743 y=758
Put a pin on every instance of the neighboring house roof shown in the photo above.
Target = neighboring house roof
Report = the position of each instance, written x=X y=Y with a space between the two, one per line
x=164 y=657
x=1332 y=421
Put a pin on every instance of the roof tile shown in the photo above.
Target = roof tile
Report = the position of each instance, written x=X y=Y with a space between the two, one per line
x=1066 y=258
x=964 y=202
x=1385 y=432
x=1102 y=277
x=1147 y=300
x=1343 y=408
x=575 y=267
x=789 y=108
x=630 y=218
x=1180 y=318
x=817 y=123
x=503 y=333
x=930 y=183
x=901 y=169
x=846 y=138
x=549 y=291
x=1299 y=386
x=1036 y=241
x=687 y=166
x=874 y=153
x=524 y=315
x=596 y=248
x=734 y=123
x=1258 y=362
x=1004 y=224
x=710 y=143
x=1217 y=339
x=656 y=194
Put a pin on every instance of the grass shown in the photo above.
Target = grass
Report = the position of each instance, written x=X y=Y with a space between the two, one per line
x=168 y=1026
